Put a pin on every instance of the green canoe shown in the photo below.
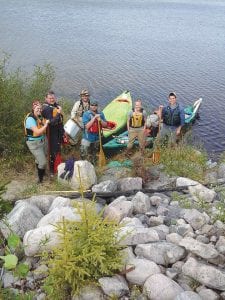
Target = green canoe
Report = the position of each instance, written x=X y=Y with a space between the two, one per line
x=121 y=140
x=116 y=112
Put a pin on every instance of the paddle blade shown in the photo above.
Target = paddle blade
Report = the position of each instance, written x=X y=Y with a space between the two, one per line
x=102 y=159
x=155 y=157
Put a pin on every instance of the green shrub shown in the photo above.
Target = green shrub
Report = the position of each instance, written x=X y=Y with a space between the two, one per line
x=17 y=91
x=88 y=250
x=184 y=160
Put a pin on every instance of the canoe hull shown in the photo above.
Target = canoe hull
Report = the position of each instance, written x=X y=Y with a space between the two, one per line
x=116 y=111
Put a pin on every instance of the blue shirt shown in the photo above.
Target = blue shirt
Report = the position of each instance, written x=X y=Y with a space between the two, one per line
x=90 y=136
x=31 y=122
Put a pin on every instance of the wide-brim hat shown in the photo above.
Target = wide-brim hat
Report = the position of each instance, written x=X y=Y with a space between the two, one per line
x=84 y=93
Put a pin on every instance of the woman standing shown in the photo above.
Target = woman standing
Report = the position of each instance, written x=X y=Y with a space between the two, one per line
x=35 y=129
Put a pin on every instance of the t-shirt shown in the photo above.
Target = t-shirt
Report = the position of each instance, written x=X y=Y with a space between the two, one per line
x=90 y=136
x=31 y=122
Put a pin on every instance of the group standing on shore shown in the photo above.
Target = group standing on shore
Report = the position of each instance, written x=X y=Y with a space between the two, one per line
x=44 y=128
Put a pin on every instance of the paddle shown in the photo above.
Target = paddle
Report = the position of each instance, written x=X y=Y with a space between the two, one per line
x=156 y=153
x=102 y=159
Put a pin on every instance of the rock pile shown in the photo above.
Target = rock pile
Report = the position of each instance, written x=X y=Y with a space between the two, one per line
x=175 y=245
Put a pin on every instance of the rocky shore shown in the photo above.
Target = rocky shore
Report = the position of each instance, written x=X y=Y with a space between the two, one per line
x=174 y=235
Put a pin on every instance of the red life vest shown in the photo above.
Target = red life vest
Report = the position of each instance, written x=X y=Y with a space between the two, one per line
x=94 y=127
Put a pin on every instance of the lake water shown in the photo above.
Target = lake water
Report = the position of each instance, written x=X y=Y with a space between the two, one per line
x=150 y=47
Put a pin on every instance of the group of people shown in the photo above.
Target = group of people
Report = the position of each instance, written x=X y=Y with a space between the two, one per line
x=46 y=120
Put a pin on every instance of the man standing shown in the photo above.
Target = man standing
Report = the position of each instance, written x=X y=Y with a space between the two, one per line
x=53 y=112
x=136 y=124
x=80 y=107
x=90 y=139
x=173 y=118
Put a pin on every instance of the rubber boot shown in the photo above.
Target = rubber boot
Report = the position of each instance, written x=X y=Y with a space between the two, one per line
x=41 y=173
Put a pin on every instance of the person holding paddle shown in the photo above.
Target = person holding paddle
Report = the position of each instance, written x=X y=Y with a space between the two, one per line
x=173 y=119
x=53 y=112
x=91 y=119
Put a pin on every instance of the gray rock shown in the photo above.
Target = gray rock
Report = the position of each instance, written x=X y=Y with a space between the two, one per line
x=8 y=279
x=118 y=209
x=43 y=202
x=109 y=186
x=174 y=238
x=13 y=190
x=172 y=273
x=22 y=218
x=207 y=294
x=188 y=295
x=205 y=251
x=202 y=239
x=197 y=190
x=162 y=253
x=59 y=202
x=114 y=286
x=57 y=215
x=162 y=210
x=195 y=218
x=154 y=221
x=207 y=275
x=138 y=235
x=44 y=238
x=130 y=183
x=141 y=203
x=89 y=292
x=221 y=170
x=41 y=296
x=160 y=287
x=40 y=272
x=220 y=245
x=143 y=268
x=155 y=200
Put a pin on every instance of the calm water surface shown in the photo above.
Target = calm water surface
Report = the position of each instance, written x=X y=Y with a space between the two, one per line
x=149 y=47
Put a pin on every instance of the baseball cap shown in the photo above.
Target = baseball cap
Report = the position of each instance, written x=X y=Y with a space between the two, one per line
x=94 y=102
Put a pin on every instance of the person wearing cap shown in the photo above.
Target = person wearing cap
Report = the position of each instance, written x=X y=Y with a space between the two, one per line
x=173 y=119
x=53 y=112
x=90 y=139
x=35 y=130
x=136 y=125
x=80 y=107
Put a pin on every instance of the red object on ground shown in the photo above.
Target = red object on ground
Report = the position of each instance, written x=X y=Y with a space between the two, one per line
x=58 y=161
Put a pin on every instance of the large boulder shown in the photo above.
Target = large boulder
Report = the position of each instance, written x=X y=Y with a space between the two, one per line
x=205 y=251
x=44 y=238
x=142 y=269
x=160 y=287
x=207 y=275
x=162 y=253
x=22 y=218
x=118 y=209
x=57 y=215
x=197 y=190
x=43 y=202
x=115 y=286
x=84 y=172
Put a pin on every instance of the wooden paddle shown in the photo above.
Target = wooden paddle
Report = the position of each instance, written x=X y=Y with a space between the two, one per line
x=102 y=159
x=156 y=153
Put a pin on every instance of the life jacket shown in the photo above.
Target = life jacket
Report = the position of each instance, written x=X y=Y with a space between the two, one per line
x=137 y=120
x=54 y=111
x=94 y=127
x=40 y=123
x=172 y=116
